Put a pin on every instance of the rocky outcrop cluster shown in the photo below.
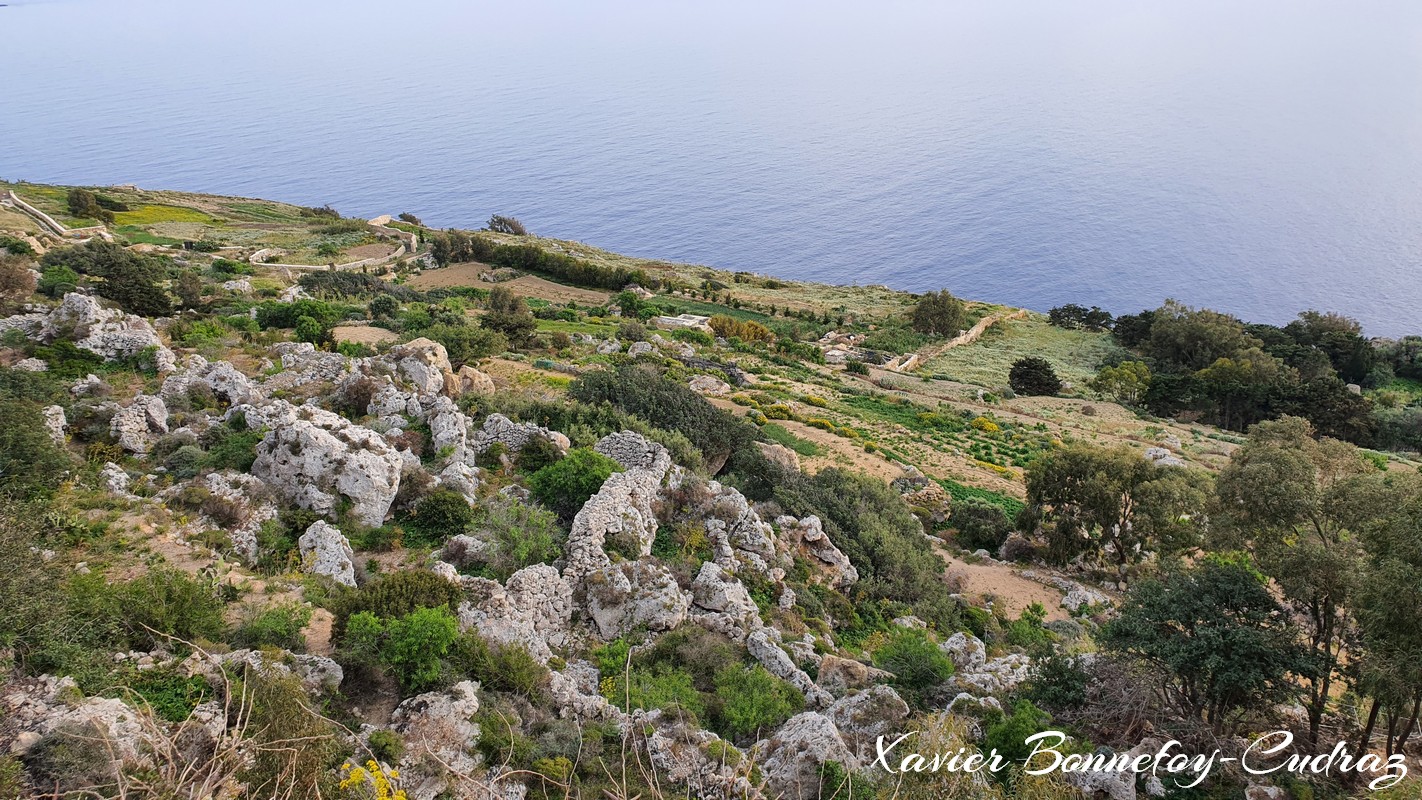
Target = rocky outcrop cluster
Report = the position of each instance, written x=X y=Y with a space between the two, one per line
x=316 y=458
x=107 y=332
x=218 y=378
x=513 y=435
x=808 y=534
x=533 y=609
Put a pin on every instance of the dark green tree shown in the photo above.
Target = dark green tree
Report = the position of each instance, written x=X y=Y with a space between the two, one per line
x=939 y=313
x=1033 y=376
x=1222 y=643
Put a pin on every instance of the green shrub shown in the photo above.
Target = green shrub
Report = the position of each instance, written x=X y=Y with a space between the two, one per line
x=501 y=667
x=979 y=524
x=231 y=445
x=55 y=281
x=667 y=688
x=31 y=465
x=521 y=535
x=751 y=700
x=386 y=746
x=917 y=663
x=416 y=644
x=274 y=626
x=537 y=453
x=1009 y=735
x=171 y=694
x=442 y=514
x=466 y=344
x=566 y=485
x=185 y=462
x=396 y=595
x=166 y=602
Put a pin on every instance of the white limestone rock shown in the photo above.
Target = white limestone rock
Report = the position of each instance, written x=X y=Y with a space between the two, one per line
x=513 y=435
x=629 y=595
x=222 y=379
x=326 y=551
x=809 y=535
x=862 y=718
x=791 y=758
x=439 y=732
x=107 y=332
x=423 y=362
x=31 y=365
x=315 y=457
x=55 y=423
x=139 y=424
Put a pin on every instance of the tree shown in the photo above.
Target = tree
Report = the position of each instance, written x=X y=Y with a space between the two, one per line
x=1386 y=512
x=1282 y=495
x=1126 y=383
x=1338 y=337
x=406 y=216
x=1194 y=339
x=1033 y=376
x=84 y=204
x=466 y=344
x=188 y=287
x=17 y=281
x=509 y=225
x=382 y=306
x=129 y=279
x=508 y=314
x=565 y=485
x=1115 y=502
x=939 y=313
x=1074 y=317
x=1222 y=642
x=979 y=524
x=308 y=329
x=1242 y=385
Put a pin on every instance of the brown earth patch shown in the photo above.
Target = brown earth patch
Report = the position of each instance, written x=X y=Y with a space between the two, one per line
x=363 y=334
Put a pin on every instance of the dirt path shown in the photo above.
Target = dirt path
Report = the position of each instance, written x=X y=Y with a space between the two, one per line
x=1001 y=583
x=969 y=336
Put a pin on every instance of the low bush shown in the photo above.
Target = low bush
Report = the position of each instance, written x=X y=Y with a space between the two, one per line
x=564 y=486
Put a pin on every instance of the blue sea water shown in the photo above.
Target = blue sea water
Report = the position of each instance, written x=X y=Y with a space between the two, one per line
x=1261 y=158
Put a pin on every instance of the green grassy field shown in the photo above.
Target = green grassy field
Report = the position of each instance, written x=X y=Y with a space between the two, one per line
x=1076 y=355
x=150 y=214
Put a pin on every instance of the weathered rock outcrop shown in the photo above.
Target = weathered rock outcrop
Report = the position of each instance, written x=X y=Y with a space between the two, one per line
x=55 y=423
x=722 y=604
x=302 y=364
x=423 y=362
x=838 y=675
x=326 y=551
x=513 y=435
x=533 y=610
x=740 y=540
x=439 y=731
x=791 y=759
x=980 y=675
x=314 y=458
x=634 y=594
x=764 y=646
x=809 y=535
x=107 y=332
x=220 y=378
x=139 y=424
x=690 y=757
x=621 y=508
x=247 y=504
x=862 y=718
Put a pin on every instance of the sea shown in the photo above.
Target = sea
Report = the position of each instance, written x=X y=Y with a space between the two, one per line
x=1259 y=158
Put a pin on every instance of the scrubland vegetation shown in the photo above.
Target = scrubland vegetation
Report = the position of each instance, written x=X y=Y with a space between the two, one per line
x=616 y=560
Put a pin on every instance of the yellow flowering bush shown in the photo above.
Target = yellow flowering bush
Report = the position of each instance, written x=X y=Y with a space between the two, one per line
x=371 y=782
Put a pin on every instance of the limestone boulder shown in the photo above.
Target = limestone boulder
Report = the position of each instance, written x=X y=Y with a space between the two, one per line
x=863 y=717
x=139 y=424
x=808 y=534
x=512 y=435
x=423 y=362
x=224 y=381
x=326 y=551
x=55 y=423
x=839 y=675
x=622 y=597
x=791 y=759
x=314 y=458
x=439 y=732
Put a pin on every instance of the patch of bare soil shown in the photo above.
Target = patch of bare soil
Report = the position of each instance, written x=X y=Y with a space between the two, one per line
x=469 y=274
x=364 y=251
x=363 y=334
x=1001 y=583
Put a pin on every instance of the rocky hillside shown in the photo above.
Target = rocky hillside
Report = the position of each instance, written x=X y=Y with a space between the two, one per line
x=474 y=531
